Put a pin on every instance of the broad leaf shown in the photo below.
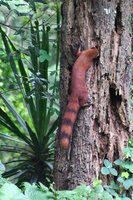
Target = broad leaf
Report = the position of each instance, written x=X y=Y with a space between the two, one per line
x=105 y=171
x=113 y=171
x=107 y=163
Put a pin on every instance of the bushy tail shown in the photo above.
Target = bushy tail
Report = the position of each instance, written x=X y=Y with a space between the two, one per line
x=69 y=119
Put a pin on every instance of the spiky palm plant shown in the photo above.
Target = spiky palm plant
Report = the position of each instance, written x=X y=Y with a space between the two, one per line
x=33 y=140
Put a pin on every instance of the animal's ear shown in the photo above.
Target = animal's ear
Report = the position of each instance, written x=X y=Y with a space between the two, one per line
x=96 y=47
x=79 y=52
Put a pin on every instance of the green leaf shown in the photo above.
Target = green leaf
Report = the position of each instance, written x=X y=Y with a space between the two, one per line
x=125 y=198
x=6 y=136
x=112 y=192
x=131 y=168
x=128 y=152
x=105 y=171
x=2 y=168
x=128 y=183
x=14 y=112
x=7 y=122
x=34 y=192
x=99 y=189
x=125 y=175
x=127 y=165
x=10 y=191
x=107 y=163
x=43 y=55
x=11 y=59
x=113 y=171
x=120 y=179
x=114 y=185
x=53 y=126
x=96 y=182
x=33 y=138
x=118 y=162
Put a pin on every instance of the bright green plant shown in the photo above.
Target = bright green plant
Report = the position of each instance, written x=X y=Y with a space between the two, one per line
x=9 y=191
x=124 y=183
x=34 y=141
x=108 y=169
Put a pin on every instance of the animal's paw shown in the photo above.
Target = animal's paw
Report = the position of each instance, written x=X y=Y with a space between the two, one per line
x=88 y=103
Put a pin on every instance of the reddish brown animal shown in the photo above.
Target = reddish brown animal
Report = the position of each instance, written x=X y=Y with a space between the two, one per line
x=78 y=93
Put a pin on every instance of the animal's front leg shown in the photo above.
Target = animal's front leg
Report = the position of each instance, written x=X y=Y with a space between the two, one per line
x=83 y=98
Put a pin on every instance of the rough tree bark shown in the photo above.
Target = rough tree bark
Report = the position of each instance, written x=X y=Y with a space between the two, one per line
x=102 y=129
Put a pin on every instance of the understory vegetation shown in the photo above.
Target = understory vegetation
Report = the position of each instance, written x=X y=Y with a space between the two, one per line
x=120 y=189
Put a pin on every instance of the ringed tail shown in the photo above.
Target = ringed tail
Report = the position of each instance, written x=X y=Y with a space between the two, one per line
x=68 y=121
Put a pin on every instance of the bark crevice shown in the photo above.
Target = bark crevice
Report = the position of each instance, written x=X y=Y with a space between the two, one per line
x=118 y=19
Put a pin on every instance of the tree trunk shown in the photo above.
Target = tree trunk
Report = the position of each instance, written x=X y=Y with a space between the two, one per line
x=103 y=128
